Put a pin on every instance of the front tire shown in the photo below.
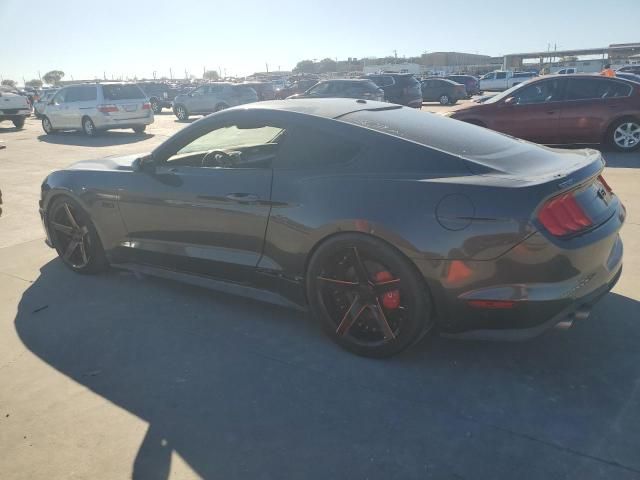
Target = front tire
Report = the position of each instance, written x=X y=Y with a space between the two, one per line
x=19 y=122
x=88 y=127
x=444 y=100
x=368 y=297
x=75 y=237
x=624 y=135
x=220 y=107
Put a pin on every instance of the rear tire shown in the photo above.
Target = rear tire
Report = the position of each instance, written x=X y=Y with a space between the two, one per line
x=346 y=293
x=75 y=237
x=220 y=107
x=624 y=135
x=155 y=106
x=47 y=126
x=19 y=122
x=140 y=129
x=88 y=127
x=444 y=100
x=181 y=113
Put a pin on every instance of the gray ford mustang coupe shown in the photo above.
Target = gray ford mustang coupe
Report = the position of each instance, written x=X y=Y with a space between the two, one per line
x=386 y=222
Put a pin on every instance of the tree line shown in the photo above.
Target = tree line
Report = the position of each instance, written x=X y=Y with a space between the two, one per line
x=50 y=78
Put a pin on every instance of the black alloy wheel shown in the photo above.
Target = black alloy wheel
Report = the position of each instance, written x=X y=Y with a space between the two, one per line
x=367 y=295
x=74 y=237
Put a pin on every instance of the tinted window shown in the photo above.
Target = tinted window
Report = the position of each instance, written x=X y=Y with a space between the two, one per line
x=305 y=148
x=501 y=75
x=122 y=92
x=213 y=89
x=81 y=94
x=60 y=97
x=540 y=92
x=595 y=88
x=319 y=89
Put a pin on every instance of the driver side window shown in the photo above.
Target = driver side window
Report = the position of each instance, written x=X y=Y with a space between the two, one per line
x=320 y=89
x=231 y=146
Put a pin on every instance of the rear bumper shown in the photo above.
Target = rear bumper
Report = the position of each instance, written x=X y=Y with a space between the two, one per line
x=14 y=115
x=534 y=286
x=104 y=122
x=577 y=310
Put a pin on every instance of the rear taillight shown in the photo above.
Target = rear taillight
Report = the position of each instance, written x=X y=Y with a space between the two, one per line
x=563 y=215
x=146 y=106
x=107 y=108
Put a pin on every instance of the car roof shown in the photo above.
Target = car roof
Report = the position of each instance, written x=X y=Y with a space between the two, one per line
x=320 y=107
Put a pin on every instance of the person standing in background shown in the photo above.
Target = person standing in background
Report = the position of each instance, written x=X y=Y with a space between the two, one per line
x=608 y=71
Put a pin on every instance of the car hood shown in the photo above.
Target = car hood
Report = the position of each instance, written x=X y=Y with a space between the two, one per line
x=114 y=163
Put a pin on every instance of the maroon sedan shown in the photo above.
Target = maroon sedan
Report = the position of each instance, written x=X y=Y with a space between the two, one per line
x=567 y=109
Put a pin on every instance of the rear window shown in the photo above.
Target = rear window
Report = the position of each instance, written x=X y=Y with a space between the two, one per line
x=596 y=88
x=406 y=80
x=122 y=92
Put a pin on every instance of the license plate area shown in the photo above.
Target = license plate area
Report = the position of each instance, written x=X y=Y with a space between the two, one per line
x=130 y=108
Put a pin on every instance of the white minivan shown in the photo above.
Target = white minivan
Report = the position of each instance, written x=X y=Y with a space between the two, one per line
x=94 y=107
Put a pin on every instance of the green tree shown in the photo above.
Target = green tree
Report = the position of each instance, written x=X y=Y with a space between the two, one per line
x=9 y=83
x=35 y=83
x=210 y=75
x=327 y=65
x=305 y=66
x=53 y=77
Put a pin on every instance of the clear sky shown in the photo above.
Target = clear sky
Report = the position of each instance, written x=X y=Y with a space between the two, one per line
x=85 y=38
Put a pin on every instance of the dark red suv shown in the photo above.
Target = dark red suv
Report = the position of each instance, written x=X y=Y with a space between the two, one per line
x=567 y=109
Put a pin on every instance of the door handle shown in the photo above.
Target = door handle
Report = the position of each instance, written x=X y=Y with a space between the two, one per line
x=550 y=112
x=242 y=197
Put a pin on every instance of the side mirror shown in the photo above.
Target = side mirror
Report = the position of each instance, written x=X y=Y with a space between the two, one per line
x=510 y=101
x=144 y=164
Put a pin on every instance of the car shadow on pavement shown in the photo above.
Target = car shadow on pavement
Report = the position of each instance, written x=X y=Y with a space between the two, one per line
x=104 y=139
x=242 y=389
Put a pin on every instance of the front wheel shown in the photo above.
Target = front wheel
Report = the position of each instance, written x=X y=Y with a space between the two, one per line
x=74 y=237
x=19 y=122
x=220 y=107
x=624 y=135
x=368 y=297
x=444 y=100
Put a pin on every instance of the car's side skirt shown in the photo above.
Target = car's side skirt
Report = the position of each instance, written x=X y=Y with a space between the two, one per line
x=230 y=288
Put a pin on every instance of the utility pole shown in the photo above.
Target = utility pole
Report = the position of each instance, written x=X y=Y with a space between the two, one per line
x=170 y=73
x=267 y=66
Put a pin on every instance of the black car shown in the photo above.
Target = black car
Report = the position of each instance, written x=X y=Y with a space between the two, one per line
x=264 y=90
x=160 y=94
x=400 y=88
x=630 y=69
x=471 y=83
x=634 y=77
x=388 y=223
x=446 y=92
x=359 y=88
x=298 y=86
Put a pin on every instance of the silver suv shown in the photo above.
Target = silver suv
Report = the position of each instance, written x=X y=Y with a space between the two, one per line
x=94 y=107
x=212 y=98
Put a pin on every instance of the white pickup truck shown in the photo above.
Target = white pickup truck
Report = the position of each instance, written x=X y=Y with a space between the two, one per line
x=500 y=80
x=13 y=107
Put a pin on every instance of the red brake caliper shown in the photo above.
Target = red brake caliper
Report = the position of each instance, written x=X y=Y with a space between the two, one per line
x=391 y=299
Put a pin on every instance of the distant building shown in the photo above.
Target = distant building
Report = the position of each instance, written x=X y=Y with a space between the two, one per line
x=414 y=68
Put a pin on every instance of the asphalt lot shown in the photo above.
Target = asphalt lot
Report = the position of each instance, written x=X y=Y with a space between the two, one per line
x=117 y=376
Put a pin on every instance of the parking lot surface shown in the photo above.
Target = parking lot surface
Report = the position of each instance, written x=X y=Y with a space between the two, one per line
x=119 y=376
